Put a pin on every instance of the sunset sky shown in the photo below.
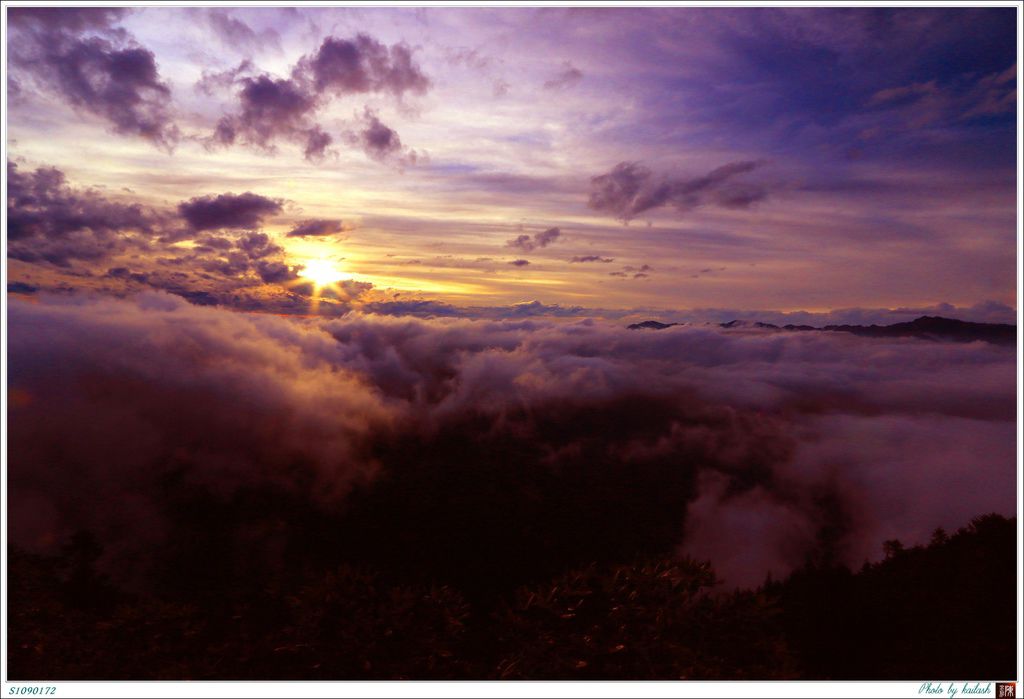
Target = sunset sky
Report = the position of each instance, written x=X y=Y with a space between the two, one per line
x=438 y=159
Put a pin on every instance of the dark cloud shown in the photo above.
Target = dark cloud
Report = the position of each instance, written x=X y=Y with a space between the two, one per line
x=569 y=76
x=275 y=272
x=317 y=227
x=127 y=275
x=591 y=258
x=227 y=211
x=47 y=220
x=257 y=245
x=21 y=288
x=641 y=272
x=519 y=263
x=317 y=143
x=361 y=64
x=110 y=75
x=210 y=243
x=231 y=264
x=272 y=108
x=380 y=142
x=547 y=237
x=630 y=189
x=523 y=242
x=527 y=243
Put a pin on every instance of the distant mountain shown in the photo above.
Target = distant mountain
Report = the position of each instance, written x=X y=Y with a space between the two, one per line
x=937 y=328
x=651 y=325
x=748 y=324
x=925 y=327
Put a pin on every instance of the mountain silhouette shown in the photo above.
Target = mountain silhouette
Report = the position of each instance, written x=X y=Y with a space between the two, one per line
x=925 y=327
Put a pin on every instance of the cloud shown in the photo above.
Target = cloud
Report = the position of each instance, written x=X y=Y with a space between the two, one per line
x=519 y=263
x=568 y=77
x=362 y=64
x=226 y=211
x=110 y=75
x=317 y=227
x=127 y=275
x=257 y=245
x=641 y=272
x=271 y=107
x=21 y=288
x=931 y=103
x=285 y=414
x=47 y=220
x=275 y=272
x=66 y=19
x=591 y=258
x=380 y=142
x=492 y=450
x=539 y=240
x=213 y=81
x=419 y=308
x=630 y=189
x=240 y=36
x=317 y=143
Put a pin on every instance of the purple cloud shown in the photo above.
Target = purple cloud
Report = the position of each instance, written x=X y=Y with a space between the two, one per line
x=317 y=227
x=361 y=64
x=591 y=258
x=227 y=211
x=47 y=220
x=109 y=76
x=526 y=243
x=271 y=108
x=630 y=189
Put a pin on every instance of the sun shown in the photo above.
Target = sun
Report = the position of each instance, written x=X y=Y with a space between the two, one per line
x=322 y=272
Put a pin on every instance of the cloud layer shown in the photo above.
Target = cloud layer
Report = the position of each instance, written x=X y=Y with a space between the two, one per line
x=754 y=449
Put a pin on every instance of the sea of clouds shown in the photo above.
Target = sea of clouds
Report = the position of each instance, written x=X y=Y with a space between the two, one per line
x=755 y=449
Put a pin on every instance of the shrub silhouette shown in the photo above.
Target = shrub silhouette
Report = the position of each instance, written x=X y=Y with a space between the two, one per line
x=941 y=611
x=945 y=611
x=650 y=620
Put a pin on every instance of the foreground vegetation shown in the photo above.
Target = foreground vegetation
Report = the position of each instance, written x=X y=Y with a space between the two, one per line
x=941 y=611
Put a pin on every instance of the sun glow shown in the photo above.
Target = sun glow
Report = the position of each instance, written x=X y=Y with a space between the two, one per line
x=322 y=272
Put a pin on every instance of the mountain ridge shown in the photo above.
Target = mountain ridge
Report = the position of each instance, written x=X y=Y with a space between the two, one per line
x=925 y=327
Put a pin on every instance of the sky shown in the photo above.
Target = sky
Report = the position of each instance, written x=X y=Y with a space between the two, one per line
x=677 y=161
